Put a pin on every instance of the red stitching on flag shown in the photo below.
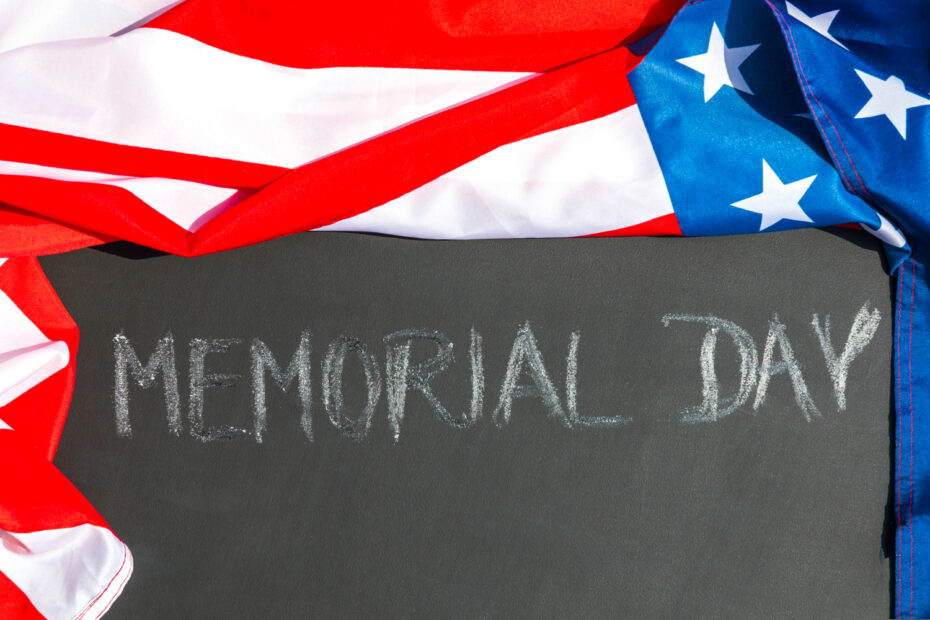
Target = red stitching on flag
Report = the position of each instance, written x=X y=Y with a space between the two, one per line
x=910 y=387
x=118 y=590
x=897 y=503
x=105 y=588
x=797 y=61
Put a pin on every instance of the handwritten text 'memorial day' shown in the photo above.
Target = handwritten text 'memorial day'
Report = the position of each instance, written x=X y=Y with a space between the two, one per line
x=526 y=376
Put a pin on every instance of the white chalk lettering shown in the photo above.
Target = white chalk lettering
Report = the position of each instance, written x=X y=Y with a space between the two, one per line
x=415 y=359
x=298 y=368
x=525 y=354
x=788 y=364
x=199 y=381
x=163 y=360
x=864 y=326
x=333 y=398
x=571 y=393
x=403 y=376
x=711 y=409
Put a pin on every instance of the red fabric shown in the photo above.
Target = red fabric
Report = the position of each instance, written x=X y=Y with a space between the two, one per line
x=376 y=171
x=351 y=181
x=274 y=202
x=25 y=234
x=47 y=148
x=36 y=496
x=15 y=604
x=494 y=35
x=112 y=211
x=38 y=416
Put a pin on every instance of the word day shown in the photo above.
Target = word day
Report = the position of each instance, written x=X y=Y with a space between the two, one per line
x=526 y=375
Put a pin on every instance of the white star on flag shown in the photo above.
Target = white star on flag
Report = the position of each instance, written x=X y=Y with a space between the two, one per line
x=889 y=98
x=720 y=65
x=778 y=201
x=818 y=23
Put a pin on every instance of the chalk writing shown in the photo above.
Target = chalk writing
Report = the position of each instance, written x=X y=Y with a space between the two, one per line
x=162 y=359
x=571 y=393
x=298 y=368
x=526 y=376
x=788 y=364
x=757 y=375
x=860 y=334
x=199 y=381
x=402 y=376
x=525 y=355
x=710 y=408
x=333 y=399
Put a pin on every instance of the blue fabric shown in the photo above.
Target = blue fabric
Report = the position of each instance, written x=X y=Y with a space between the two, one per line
x=911 y=564
x=711 y=153
x=859 y=70
x=886 y=163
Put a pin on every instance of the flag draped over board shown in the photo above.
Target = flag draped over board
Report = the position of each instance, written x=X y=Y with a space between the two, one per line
x=206 y=125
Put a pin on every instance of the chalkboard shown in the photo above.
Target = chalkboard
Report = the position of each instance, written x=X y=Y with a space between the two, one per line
x=489 y=429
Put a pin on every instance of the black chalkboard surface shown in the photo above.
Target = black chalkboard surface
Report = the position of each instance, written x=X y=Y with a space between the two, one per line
x=499 y=428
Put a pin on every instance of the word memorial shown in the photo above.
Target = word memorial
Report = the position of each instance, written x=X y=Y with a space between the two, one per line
x=526 y=376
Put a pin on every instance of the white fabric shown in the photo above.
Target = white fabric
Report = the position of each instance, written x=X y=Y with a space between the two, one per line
x=43 y=565
x=27 y=357
x=583 y=179
x=183 y=202
x=158 y=89
x=24 y=22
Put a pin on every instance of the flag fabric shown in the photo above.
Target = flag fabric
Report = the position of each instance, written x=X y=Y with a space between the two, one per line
x=205 y=125
x=58 y=558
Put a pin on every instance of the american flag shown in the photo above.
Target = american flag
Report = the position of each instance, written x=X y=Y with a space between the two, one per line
x=205 y=125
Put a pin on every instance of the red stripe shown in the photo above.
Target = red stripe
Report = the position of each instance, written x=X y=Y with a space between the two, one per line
x=47 y=148
x=494 y=35
x=34 y=495
x=111 y=211
x=23 y=234
x=665 y=225
x=381 y=169
x=38 y=415
x=14 y=603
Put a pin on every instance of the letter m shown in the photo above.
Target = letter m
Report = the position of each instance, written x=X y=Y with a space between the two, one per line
x=127 y=362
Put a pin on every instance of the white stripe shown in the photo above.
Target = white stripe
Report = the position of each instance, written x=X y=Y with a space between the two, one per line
x=23 y=369
x=25 y=22
x=583 y=179
x=27 y=357
x=190 y=205
x=112 y=591
x=72 y=572
x=158 y=89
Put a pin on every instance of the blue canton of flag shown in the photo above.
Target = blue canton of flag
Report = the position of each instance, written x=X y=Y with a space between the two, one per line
x=865 y=73
x=733 y=132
